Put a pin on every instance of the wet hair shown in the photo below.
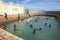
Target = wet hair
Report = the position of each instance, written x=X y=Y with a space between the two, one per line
x=40 y=28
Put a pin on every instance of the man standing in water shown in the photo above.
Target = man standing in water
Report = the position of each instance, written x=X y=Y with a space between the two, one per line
x=6 y=15
x=45 y=24
x=34 y=31
x=4 y=27
x=14 y=27
x=50 y=25
x=31 y=25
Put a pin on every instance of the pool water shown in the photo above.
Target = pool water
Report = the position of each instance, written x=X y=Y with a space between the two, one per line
x=26 y=32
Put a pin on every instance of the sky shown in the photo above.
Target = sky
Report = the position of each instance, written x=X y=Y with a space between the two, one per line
x=46 y=5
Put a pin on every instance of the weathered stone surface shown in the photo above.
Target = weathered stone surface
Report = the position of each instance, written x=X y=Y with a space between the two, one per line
x=4 y=35
x=14 y=17
x=1 y=31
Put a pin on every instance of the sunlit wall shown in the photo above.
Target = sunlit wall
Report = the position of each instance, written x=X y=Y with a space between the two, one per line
x=11 y=8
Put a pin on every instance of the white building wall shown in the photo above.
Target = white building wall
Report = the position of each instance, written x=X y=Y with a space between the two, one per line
x=11 y=8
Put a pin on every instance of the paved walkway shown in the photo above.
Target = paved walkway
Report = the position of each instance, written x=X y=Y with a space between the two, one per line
x=4 y=35
x=11 y=18
x=14 y=17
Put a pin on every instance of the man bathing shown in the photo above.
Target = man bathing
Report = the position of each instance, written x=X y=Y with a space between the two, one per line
x=35 y=30
x=50 y=25
x=14 y=27
x=4 y=27
x=31 y=25
x=45 y=24
x=40 y=29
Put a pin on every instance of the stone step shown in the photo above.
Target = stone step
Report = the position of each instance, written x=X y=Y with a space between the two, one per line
x=4 y=35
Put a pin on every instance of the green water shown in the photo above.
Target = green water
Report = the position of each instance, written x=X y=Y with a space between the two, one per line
x=26 y=32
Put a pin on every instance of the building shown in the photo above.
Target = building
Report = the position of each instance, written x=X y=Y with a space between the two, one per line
x=11 y=8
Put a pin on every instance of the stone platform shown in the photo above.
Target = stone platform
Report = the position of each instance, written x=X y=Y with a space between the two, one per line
x=4 y=35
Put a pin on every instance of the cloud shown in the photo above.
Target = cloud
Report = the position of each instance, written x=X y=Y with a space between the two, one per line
x=25 y=1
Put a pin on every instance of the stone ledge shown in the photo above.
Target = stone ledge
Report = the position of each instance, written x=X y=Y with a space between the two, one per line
x=4 y=35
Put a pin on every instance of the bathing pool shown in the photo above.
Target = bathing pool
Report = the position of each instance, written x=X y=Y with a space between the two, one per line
x=24 y=30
